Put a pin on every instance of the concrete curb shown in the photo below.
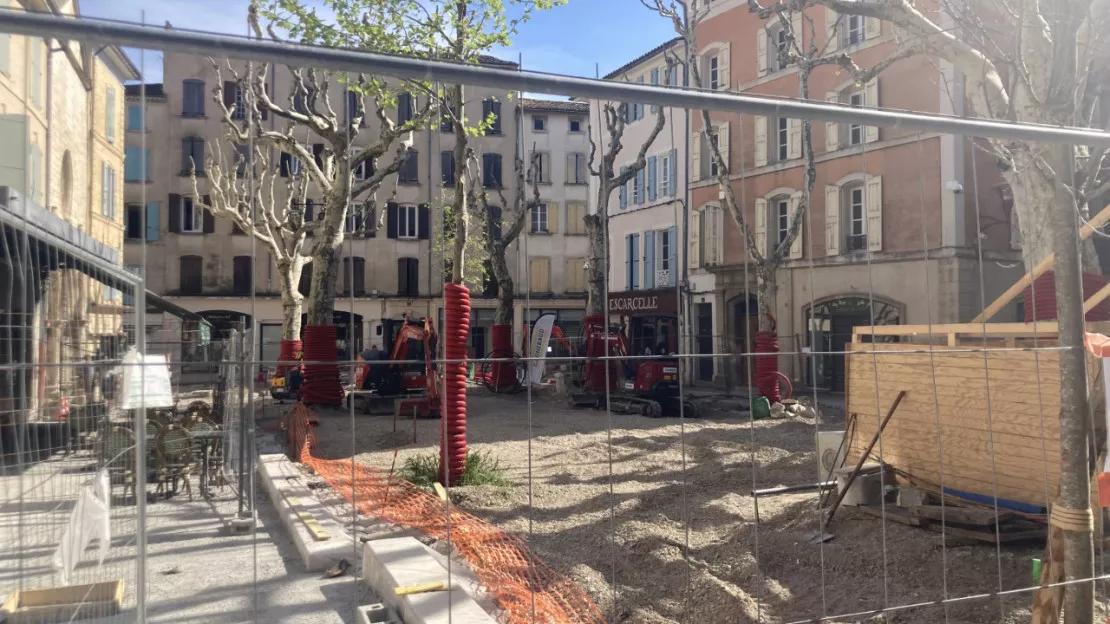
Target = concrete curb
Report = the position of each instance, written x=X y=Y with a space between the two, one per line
x=304 y=518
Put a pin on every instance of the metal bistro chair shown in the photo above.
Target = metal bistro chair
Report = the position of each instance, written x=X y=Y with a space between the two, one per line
x=175 y=454
x=117 y=454
x=210 y=449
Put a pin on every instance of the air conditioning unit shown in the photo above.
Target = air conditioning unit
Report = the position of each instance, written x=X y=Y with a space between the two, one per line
x=663 y=277
x=831 y=452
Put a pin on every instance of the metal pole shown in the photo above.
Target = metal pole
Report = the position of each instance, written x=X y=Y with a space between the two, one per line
x=190 y=42
x=139 y=299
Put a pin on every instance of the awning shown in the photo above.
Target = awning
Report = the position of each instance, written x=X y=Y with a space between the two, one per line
x=156 y=301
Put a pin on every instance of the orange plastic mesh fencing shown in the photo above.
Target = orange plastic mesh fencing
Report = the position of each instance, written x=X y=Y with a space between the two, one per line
x=523 y=586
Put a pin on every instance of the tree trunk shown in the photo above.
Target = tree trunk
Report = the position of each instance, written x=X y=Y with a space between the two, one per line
x=458 y=253
x=597 y=270
x=289 y=278
x=503 y=314
x=1075 y=483
x=766 y=293
x=325 y=272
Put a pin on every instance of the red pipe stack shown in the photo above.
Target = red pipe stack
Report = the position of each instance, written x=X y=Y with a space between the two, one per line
x=767 y=366
x=503 y=374
x=456 y=329
x=321 y=368
x=597 y=348
x=287 y=357
x=1045 y=289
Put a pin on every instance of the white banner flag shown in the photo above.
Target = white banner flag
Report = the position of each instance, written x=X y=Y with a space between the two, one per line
x=537 y=349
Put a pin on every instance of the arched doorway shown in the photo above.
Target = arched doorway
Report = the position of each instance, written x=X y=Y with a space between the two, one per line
x=348 y=333
x=743 y=323
x=829 y=327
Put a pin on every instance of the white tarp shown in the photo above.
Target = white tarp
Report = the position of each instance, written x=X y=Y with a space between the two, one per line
x=537 y=348
x=91 y=519
x=146 y=381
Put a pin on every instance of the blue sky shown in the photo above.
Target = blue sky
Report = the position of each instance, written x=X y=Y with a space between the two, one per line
x=568 y=40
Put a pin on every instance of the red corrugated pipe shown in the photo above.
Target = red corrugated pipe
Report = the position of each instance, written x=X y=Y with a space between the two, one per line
x=287 y=357
x=452 y=443
x=767 y=366
x=502 y=375
x=597 y=346
x=321 y=368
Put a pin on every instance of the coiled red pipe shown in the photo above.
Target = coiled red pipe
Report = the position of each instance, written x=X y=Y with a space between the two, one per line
x=321 y=368
x=767 y=366
x=287 y=357
x=597 y=345
x=502 y=374
x=452 y=442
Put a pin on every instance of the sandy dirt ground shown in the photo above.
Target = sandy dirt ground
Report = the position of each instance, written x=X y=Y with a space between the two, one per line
x=654 y=519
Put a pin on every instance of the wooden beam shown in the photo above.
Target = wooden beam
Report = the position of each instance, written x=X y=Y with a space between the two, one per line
x=1097 y=221
x=1096 y=298
x=1042 y=328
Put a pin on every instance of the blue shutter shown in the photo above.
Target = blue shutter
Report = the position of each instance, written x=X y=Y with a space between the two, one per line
x=132 y=165
x=672 y=236
x=624 y=193
x=654 y=81
x=652 y=179
x=628 y=262
x=146 y=162
x=134 y=117
x=649 y=259
x=635 y=261
x=674 y=172
x=639 y=187
x=153 y=214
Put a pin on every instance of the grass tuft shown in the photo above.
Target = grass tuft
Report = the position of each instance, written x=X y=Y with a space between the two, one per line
x=482 y=468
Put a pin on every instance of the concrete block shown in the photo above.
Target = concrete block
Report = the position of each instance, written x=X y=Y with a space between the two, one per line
x=319 y=538
x=398 y=562
x=376 y=613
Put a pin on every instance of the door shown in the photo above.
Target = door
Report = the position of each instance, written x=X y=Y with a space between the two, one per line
x=745 y=324
x=840 y=337
x=704 y=345
x=478 y=342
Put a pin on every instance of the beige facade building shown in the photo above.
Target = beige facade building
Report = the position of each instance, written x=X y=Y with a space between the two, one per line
x=392 y=265
x=61 y=113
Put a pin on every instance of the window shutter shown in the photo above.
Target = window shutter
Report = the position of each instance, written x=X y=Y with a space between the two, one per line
x=496 y=107
x=423 y=216
x=553 y=217
x=798 y=30
x=635 y=252
x=695 y=159
x=832 y=129
x=284 y=164
x=649 y=259
x=174 y=225
x=402 y=276
x=318 y=154
x=144 y=175
x=628 y=262
x=872 y=28
x=572 y=164
x=871 y=99
x=1015 y=230
x=209 y=226
x=229 y=95
x=391 y=220
x=638 y=190
x=186 y=154
x=110 y=113
x=131 y=164
x=722 y=66
x=873 y=198
x=493 y=224
x=529 y=226
x=693 y=252
x=796 y=247
x=761 y=53
x=672 y=234
x=153 y=213
x=830 y=29
x=414 y=277
x=795 y=129
x=761 y=226
x=652 y=180
x=446 y=167
x=723 y=144
x=624 y=194
x=832 y=220
x=673 y=170
x=760 y=141
x=654 y=81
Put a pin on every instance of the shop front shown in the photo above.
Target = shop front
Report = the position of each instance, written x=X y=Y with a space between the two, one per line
x=649 y=318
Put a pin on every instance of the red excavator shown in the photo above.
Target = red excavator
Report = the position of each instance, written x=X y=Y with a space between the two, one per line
x=410 y=373
x=635 y=386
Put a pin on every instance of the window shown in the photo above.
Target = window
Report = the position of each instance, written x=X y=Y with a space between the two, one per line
x=408 y=222
x=539 y=123
x=240 y=111
x=290 y=165
x=133 y=222
x=854 y=30
x=410 y=171
x=242 y=272
x=576 y=218
x=364 y=169
x=447 y=167
x=539 y=219
x=576 y=168
x=543 y=168
x=108 y=191
x=404 y=108
x=110 y=114
x=192 y=217
x=714 y=142
x=303 y=101
x=666 y=173
x=779 y=47
x=135 y=118
x=408 y=277
x=857 y=218
x=632 y=261
x=714 y=73
x=665 y=249
x=576 y=124
x=192 y=155
x=354 y=100
x=242 y=159
x=575 y=275
x=782 y=218
x=540 y=273
x=855 y=131
x=491 y=114
x=782 y=139
x=192 y=98
x=638 y=187
x=190 y=278
x=136 y=164
x=491 y=170
x=304 y=286
x=354 y=275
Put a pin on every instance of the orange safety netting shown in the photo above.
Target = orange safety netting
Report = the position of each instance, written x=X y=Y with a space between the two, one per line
x=523 y=586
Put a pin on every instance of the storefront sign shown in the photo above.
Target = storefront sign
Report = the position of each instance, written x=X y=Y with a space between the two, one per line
x=661 y=302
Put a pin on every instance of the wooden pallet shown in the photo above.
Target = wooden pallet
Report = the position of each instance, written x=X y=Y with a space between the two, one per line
x=63 y=604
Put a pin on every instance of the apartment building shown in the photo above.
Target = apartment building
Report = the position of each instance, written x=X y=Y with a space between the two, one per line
x=61 y=117
x=552 y=247
x=889 y=220
x=651 y=232
x=391 y=267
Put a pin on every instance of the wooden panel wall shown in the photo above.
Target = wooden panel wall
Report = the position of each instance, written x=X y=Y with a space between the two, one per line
x=949 y=430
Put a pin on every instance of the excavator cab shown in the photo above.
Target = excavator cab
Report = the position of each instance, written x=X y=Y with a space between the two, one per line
x=409 y=371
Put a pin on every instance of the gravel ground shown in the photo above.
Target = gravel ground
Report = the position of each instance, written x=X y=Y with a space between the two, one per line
x=618 y=518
